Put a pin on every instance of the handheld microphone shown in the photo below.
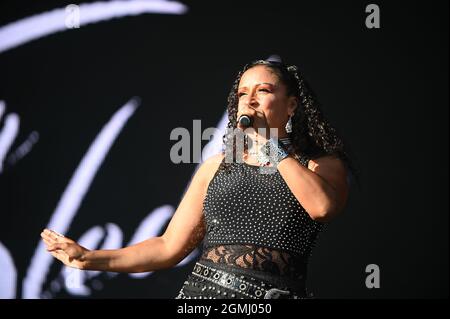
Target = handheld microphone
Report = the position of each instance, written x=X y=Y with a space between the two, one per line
x=245 y=120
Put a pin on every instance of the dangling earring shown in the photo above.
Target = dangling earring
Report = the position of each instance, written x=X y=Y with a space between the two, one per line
x=289 y=125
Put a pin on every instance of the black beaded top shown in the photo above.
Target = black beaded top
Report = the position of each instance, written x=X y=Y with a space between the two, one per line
x=257 y=234
x=245 y=207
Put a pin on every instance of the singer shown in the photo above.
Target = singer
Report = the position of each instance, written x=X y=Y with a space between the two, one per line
x=257 y=226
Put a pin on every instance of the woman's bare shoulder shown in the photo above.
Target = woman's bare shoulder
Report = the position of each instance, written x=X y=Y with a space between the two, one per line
x=214 y=160
x=209 y=167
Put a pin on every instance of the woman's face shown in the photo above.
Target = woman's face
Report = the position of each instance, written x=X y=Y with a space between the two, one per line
x=261 y=89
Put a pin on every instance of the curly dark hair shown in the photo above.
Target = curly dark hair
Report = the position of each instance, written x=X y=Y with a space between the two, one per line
x=312 y=135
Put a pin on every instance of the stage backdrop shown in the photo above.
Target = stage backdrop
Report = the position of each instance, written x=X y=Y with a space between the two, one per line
x=92 y=94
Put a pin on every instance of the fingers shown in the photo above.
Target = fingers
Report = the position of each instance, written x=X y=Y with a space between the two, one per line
x=58 y=235
x=54 y=240
x=47 y=242
x=54 y=237
x=57 y=246
x=45 y=235
x=52 y=234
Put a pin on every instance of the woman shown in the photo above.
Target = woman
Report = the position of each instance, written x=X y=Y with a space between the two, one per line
x=259 y=211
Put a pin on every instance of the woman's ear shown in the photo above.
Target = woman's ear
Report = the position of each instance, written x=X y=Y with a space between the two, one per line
x=292 y=104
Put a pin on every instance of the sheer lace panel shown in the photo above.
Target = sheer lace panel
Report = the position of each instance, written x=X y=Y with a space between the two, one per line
x=253 y=257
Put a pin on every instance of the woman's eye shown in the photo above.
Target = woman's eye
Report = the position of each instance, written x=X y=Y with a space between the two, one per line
x=264 y=90
x=240 y=94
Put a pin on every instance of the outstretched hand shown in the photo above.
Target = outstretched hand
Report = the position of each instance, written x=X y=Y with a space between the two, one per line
x=64 y=249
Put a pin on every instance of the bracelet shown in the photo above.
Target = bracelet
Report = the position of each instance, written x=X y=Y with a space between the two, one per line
x=272 y=152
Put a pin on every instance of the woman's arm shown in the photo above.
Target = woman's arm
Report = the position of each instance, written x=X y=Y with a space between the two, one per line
x=184 y=232
x=321 y=188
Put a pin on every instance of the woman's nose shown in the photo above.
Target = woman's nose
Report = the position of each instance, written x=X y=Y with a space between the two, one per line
x=252 y=101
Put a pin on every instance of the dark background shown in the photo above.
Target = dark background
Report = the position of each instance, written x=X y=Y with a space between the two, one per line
x=386 y=90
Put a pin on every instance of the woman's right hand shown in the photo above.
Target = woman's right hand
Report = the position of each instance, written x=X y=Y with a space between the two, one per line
x=64 y=249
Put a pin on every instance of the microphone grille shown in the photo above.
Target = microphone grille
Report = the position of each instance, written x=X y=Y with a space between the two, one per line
x=245 y=120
